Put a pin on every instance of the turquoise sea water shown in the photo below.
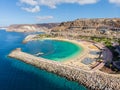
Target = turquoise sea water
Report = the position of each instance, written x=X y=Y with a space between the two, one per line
x=53 y=49
x=16 y=75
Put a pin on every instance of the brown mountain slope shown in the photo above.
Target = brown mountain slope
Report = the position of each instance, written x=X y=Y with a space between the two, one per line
x=31 y=27
x=89 y=23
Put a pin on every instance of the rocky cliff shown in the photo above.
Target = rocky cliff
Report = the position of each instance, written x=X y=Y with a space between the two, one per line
x=90 y=24
x=31 y=27
x=100 y=27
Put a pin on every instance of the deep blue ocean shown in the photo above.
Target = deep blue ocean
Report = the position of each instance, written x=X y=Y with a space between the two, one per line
x=16 y=75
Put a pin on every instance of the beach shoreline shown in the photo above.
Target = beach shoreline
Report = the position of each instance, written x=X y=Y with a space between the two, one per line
x=74 y=69
x=73 y=61
x=93 y=80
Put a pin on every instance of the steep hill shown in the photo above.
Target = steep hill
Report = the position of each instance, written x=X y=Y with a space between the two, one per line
x=31 y=27
x=81 y=24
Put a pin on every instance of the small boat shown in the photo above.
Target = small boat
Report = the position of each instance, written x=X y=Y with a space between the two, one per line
x=38 y=54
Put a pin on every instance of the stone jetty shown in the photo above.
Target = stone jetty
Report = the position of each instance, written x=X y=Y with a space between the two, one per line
x=30 y=38
x=93 y=80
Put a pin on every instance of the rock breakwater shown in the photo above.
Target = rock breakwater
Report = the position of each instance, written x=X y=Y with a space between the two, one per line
x=94 y=80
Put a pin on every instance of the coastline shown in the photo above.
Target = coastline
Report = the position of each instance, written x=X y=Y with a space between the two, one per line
x=93 y=80
x=72 y=69
x=3 y=28
x=75 y=60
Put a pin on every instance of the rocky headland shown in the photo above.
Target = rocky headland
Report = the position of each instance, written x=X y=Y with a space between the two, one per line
x=32 y=27
x=31 y=38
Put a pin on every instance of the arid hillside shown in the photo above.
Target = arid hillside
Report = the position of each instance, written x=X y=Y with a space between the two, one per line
x=90 y=27
x=90 y=23
x=31 y=27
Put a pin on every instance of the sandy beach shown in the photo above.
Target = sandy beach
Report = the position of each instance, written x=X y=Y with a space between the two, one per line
x=75 y=61
x=93 y=80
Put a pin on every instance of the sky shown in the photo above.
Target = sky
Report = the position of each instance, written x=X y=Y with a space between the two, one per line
x=50 y=11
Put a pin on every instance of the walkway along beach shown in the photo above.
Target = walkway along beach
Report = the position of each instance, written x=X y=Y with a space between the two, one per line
x=94 y=80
